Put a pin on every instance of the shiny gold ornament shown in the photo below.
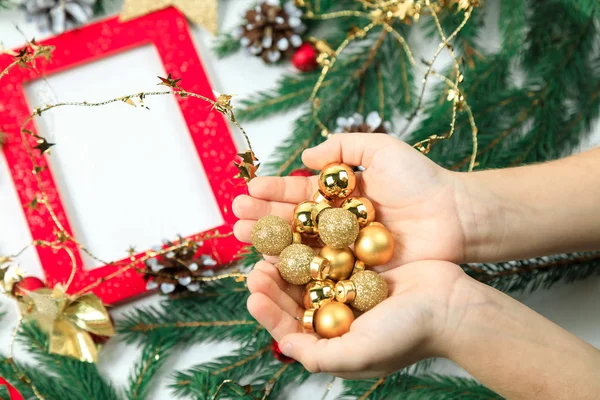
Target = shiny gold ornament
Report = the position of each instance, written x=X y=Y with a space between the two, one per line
x=270 y=235
x=68 y=321
x=308 y=321
x=341 y=262
x=364 y=290
x=203 y=13
x=319 y=268
x=319 y=197
x=319 y=293
x=338 y=228
x=296 y=238
x=317 y=210
x=337 y=180
x=359 y=266
x=333 y=320
x=294 y=264
x=302 y=221
x=374 y=245
x=362 y=208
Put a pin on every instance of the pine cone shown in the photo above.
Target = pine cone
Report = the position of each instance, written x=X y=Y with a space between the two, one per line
x=356 y=123
x=271 y=31
x=58 y=15
x=176 y=271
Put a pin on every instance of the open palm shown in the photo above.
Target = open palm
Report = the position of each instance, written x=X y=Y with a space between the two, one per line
x=413 y=197
x=416 y=316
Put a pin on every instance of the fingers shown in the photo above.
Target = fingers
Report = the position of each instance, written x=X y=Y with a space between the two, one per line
x=265 y=278
x=350 y=148
x=243 y=229
x=347 y=353
x=278 y=322
x=288 y=189
x=246 y=207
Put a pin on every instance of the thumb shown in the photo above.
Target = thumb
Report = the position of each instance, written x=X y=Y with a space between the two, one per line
x=350 y=148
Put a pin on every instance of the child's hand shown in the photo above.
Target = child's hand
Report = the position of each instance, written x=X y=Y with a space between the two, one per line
x=410 y=325
x=413 y=197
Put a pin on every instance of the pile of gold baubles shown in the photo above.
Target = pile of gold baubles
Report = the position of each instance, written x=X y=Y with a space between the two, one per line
x=349 y=242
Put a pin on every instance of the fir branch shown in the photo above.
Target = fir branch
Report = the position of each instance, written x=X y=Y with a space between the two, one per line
x=431 y=387
x=225 y=45
x=154 y=355
x=530 y=275
x=3 y=389
x=81 y=378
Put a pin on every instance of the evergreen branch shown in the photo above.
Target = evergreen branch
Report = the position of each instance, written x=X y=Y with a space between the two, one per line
x=154 y=355
x=410 y=387
x=225 y=45
x=529 y=275
x=81 y=378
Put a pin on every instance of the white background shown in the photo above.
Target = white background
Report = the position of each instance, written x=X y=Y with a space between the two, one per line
x=108 y=161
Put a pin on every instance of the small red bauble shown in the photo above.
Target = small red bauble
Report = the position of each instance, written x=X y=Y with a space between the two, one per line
x=279 y=355
x=28 y=284
x=302 y=172
x=305 y=58
x=12 y=392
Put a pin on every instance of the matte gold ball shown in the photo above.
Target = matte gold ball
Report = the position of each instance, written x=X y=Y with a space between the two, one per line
x=338 y=228
x=302 y=221
x=337 y=180
x=333 y=319
x=362 y=208
x=374 y=245
x=371 y=289
x=294 y=264
x=270 y=235
x=341 y=262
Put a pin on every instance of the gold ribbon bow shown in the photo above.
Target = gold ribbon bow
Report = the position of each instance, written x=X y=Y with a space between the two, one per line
x=200 y=12
x=69 y=321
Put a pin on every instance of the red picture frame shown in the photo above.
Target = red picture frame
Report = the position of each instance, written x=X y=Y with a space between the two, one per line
x=167 y=30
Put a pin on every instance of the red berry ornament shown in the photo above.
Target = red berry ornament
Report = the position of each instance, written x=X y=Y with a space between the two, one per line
x=302 y=172
x=28 y=284
x=305 y=58
x=279 y=355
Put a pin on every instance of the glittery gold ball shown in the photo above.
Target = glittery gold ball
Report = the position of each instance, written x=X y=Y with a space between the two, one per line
x=294 y=264
x=337 y=180
x=333 y=319
x=374 y=245
x=371 y=289
x=302 y=221
x=271 y=234
x=338 y=228
x=362 y=208
x=341 y=260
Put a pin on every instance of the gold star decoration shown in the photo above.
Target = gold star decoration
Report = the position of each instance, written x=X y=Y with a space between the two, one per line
x=169 y=81
x=10 y=273
x=248 y=166
x=200 y=12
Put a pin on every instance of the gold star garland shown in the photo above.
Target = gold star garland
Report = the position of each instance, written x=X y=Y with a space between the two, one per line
x=383 y=13
x=69 y=320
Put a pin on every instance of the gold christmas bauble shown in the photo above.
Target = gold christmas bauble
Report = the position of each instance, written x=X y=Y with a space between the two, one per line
x=362 y=208
x=341 y=262
x=302 y=221
x=374 y=245
x=294 y=264
x=318 y=294
x=337 y=180
x=364 y=290
x=333 y=319
x=270 y=235
x=338 y=228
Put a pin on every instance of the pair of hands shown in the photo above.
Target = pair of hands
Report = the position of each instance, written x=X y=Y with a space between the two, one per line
x=417 y=201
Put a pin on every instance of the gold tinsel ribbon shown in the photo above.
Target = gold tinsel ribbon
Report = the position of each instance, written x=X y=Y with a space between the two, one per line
x=69 y=321
x=200 y=12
